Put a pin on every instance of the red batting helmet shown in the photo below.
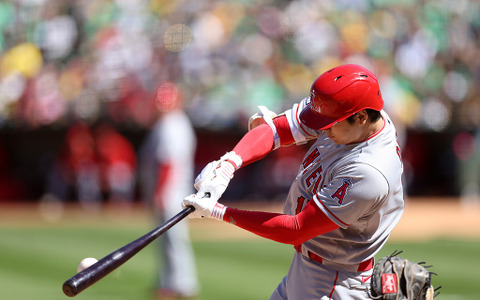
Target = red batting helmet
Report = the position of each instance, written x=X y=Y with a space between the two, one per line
x=167 y=96
x=338 y=94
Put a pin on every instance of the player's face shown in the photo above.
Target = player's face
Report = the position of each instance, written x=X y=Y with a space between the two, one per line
x=344 y=132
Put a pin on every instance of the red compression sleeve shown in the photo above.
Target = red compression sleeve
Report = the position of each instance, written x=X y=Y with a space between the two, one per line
x=294 y=230
x=258 y=142
x=255 y=144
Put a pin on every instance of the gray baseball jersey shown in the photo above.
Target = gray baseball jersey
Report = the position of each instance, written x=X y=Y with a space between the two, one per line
x=358 y=186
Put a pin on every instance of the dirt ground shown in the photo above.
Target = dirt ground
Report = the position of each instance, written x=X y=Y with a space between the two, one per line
x=424 y=218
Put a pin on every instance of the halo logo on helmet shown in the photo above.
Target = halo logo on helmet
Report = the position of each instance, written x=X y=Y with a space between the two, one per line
x=338 y=94
x=313 y=104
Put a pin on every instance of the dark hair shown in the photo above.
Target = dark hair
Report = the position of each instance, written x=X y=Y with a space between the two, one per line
x=373 y=115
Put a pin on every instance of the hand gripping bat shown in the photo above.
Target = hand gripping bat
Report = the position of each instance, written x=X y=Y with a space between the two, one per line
x=106 y=265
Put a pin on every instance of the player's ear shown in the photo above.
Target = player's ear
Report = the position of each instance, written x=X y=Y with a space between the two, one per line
x=362 y=117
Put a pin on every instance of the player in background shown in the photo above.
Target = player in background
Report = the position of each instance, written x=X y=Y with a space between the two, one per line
x=117 y=164
x=346 y=198
x=166 y=173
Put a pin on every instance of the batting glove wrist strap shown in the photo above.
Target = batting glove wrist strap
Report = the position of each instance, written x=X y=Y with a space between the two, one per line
x=233 y=158
x=218 y=211
x=205 y=207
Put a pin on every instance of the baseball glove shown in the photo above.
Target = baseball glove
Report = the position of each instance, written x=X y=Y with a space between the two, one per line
x=396 y=278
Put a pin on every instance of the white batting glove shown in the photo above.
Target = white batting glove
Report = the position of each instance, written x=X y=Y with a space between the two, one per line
x=204 y=207
x=215 y=177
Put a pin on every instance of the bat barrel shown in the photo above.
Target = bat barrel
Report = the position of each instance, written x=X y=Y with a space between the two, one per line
x=82 y=280
x=95 y=272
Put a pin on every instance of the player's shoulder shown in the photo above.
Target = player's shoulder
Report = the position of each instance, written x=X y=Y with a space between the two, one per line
x=359 y=168
x=389 y=127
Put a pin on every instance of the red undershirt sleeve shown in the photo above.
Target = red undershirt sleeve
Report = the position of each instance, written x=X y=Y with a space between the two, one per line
x=259 y=141
x=284 y=131
x=294 y=230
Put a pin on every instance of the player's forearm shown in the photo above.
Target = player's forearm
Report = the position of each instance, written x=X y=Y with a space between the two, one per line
x=260 y=141
x=255 y=144
x=273 y=226
x=282 y=228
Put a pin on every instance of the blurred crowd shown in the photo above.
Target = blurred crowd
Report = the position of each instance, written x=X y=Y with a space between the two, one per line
x=94 y=59
x=67 y=61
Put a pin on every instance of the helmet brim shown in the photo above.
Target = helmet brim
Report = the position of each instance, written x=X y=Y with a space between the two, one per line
x=314 y=120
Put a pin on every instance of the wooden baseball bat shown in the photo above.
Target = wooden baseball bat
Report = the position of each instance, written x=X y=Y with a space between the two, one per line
x=104 y=266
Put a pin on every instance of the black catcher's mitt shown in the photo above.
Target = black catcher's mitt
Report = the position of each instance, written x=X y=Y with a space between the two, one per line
x=396 y=278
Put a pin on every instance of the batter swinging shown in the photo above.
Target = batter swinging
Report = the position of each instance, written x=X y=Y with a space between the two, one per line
x=346 y=198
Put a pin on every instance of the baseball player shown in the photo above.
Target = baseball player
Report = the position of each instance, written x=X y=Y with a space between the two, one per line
x=166 y=173
x=346 y=198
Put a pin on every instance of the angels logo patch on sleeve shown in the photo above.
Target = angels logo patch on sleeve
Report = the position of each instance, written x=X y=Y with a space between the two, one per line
x=342 y=191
